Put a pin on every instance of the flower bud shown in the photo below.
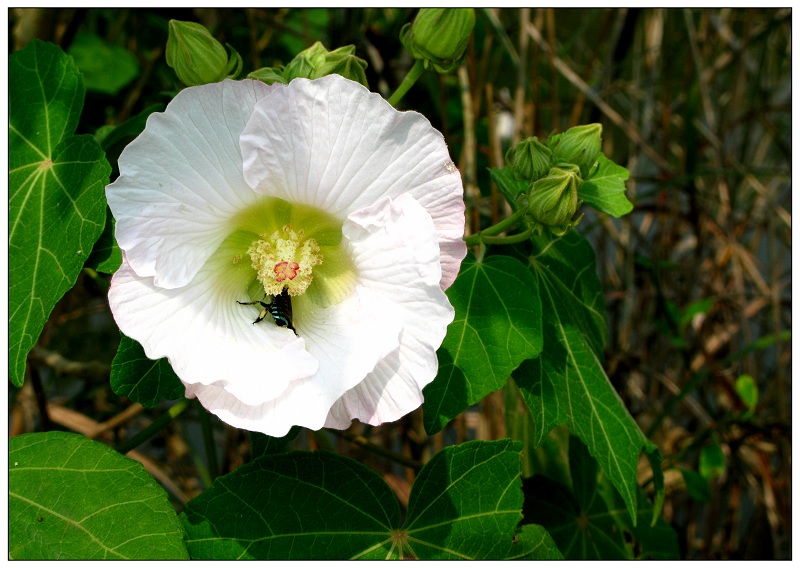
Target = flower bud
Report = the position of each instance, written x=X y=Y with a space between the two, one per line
x=439 y=36
x=348 y=66
x=579 y=145
x=316 y=62
x=268 y=75
x=553 y=200
x=530 y=159
x=195 y=55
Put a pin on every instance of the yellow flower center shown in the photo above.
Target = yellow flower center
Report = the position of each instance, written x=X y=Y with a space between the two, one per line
x=284 y=260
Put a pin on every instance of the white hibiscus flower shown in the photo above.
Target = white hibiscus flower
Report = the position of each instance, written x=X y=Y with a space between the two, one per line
x=315 y=207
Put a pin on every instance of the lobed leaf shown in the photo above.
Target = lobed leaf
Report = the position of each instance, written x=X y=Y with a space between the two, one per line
x=568 y=383
x=302 y=505
x=605 y=188
x=56 y=203
x=72 y=498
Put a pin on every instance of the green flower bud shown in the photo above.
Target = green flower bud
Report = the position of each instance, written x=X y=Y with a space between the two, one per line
x=530 y=159
x=553 y=200
x=316 y=62
x=348 y=66
x=439 y=36
x=579 y=145
x=268 y=75
x=195 y=55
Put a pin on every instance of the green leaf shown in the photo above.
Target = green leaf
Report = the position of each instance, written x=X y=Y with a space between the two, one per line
x=712 y=461
x=106 y=68
x=498 y=324
x=605 y=188
x=297 y=505
x=747 y=389
x=567 y=382
x=141 y=379
x=304 y=505
x=533 y=542
x=697 y=485
x=466 y=502
x=72 y=498
x=56 y=202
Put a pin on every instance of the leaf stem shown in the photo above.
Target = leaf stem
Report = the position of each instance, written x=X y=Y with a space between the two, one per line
x=413 y=74
x=174 y=411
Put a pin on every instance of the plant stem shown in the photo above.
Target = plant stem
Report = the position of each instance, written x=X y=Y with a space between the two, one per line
x=503 y=225
x=174 y=411
x=411 y=78
x=208 y=443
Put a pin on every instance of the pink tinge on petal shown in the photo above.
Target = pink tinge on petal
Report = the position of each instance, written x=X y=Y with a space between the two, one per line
x=332 y=144
x=181 y=181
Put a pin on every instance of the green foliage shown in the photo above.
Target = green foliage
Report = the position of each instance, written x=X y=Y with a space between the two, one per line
x=497 y=326
x=302 y=505
x=588 y=520
x=56 y=180
x=533 y=542
x=106 y=68
x=712 y=461
x=143 y=380
x=604 y=189
x=74 y=499
x=568 y=383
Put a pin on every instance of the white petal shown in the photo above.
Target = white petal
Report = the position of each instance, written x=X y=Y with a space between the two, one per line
x=181 y=181
x=208 y=338
x=396 y=255
x=332 y=144
x=348 y=339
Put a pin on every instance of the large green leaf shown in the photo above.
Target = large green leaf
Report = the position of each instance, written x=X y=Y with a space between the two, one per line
x=498 y=324
x=465 y=503
x=297 y=505
x=56 y=202
x=71 y=498
x=568 y=383
x=605 y=188
x=141 y=379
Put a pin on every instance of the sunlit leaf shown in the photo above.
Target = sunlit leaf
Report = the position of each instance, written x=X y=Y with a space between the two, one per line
x=143 y=380
x=605 y=188
x=56 y=203
x=74 y=499
x=498 y=324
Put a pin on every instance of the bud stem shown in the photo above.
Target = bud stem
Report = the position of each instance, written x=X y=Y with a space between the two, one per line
x=489 y=232
x=413 y=74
